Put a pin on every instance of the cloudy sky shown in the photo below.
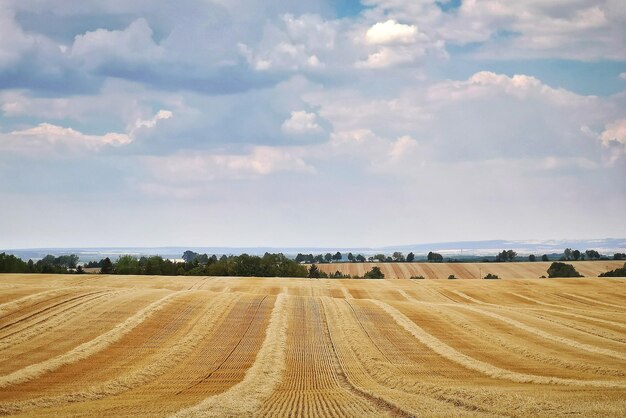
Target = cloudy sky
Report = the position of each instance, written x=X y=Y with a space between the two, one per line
x=330 y=123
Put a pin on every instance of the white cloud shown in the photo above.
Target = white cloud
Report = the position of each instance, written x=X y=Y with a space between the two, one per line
x=615 y=131
x=133 y=44
x=47 y=136
x=388 y=57
x=486 y=83
x=613 y=139
x=46 y=132
x=402 y=146
x=301 y=122
x=151 y=123
x=622 y=76
x=352 y=137
x=202 y=166
x=391 y=32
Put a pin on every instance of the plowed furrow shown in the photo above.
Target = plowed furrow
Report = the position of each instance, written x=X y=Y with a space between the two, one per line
x=419 y=390
x=12 y=306
x=40 y=323
x=512 y=343
x=550 y=336
x=313 y=374
x=85 y=349
x=480 y=366
x=146 y=365
x=219 y=362
x=260 y=379
x=4 y=327
x=597 y=302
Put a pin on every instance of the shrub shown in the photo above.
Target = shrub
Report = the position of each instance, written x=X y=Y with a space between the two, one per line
x=620 y=272
x=374 y=273
x=451 y=277
x=420 y=277
x=557 y=269
x=339 y=275
x=490 y=276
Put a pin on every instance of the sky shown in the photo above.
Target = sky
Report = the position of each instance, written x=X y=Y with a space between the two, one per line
x=310 y=123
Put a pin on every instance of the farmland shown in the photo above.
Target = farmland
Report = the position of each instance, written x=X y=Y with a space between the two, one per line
x=77 y=345
x=468 y=270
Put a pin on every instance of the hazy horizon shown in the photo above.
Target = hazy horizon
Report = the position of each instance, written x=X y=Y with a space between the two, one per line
x=287 y=124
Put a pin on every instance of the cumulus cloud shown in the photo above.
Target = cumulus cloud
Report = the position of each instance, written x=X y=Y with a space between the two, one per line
x=46 y=132
x=613 y=138
x=131 y=45
x=46 y=137
x=615 y=131
x=484 y=83
x=391 y=32
x=301 y=122
x=389 y=57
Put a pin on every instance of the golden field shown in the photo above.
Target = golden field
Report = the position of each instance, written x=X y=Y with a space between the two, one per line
x=85 y=345
x=468 y=270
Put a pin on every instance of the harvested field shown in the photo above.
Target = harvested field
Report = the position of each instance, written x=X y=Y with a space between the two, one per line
x=84 y=345
x=468 y=270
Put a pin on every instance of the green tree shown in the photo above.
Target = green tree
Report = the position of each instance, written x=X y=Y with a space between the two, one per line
x=351 y=257
x=328 y=257
x=360 y=258
x=380 y=257
x=314 y=272
x=127 y=264
x=592 y=254
x=12 y=264
x=434 y=257
x=532 y=258
x=410 y=257
x=107 y=266
x=558 y=269
x=189 y=256
x=374 y=273
x=398 y=256
x=576 y=255
x=510 y=255
x=545 y=258
x=567 y=254
x=337 y=256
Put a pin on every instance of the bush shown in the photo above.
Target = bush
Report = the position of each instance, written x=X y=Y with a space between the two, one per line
x=557 y=269
x=374 y=273
x=417 y=277
x=620 y=272
x=451 y=277
x=339 y=275
x=490 y=276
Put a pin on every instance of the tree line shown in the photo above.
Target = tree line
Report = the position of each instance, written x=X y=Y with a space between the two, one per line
x=359 y=258
x=49 y=264
x=269 y=265
x=194 y=264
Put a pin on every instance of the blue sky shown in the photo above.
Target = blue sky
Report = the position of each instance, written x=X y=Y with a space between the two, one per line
x=310 y=123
